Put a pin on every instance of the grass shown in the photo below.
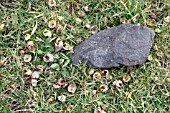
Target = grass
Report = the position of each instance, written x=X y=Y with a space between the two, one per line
x=150 y=91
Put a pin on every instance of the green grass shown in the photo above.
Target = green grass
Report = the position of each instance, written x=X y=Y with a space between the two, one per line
x=150 y=91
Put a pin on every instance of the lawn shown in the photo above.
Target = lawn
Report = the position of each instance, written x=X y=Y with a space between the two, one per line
x=36 y=44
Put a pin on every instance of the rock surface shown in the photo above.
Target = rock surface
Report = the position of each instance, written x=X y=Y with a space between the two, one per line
x=124 y=45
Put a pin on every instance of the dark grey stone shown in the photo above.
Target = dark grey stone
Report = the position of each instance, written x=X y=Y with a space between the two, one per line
x=124 y=45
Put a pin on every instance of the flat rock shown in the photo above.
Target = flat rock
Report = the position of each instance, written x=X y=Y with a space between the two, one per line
x=124 y=45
